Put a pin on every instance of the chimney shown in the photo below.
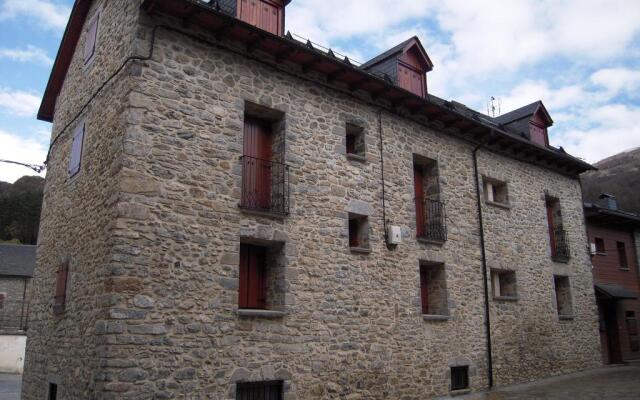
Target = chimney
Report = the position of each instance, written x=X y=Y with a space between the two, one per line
x=264 y=14
x=608 y=201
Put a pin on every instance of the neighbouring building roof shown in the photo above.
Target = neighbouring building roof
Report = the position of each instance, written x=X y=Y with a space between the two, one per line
x=615 y=218
x=452 y=116
x=17 y=260
x=614 y=291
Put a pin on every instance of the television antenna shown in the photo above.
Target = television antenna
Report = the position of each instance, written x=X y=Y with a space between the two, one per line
x=493 y=107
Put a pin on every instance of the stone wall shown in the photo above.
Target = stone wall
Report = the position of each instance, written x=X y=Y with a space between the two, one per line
x=13 y=287
x=78 y=214
x=156 y=314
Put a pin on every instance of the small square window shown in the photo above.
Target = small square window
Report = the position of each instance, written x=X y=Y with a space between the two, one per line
x=433 y=289
x=266 y=390
x=459 y=378
x=53 y=391
x=600 y=246
x=563 y=296
x=504 y=284
x=3 y=296
x=622 y=255
x=495 y=191
x=261 y=277
x=358 y=232
x=355 y=141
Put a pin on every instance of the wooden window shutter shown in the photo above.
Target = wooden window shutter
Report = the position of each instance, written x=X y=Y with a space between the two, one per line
x=424 y=289
x=90 y=40
x=60 y=298
x=76 y=150
x=253 y=280
x=419 y=198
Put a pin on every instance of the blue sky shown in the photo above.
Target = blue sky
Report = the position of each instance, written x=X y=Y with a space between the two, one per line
x=580 y=57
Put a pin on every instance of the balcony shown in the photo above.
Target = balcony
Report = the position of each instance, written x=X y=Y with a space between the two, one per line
x=265 y=186
x=14 y=316
x=560 y=250
x=431 y=224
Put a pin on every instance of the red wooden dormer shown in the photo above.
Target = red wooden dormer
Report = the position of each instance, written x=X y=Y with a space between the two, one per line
x=264 y=14
x=538 y=124
x=530 y=121
x=406 y=65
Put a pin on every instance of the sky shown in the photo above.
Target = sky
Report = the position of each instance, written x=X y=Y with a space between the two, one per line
x=580 y=57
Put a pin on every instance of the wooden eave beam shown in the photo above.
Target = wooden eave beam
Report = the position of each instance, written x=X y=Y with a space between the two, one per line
x=218 y=33
x=283 y=54
x=358 y=84
x=306 y=67
x=150 y=6
x=251 y=46
x=188 y=18
x=332 y=76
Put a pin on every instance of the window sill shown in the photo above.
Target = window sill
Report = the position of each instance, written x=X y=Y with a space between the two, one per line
x=624 y=269
x=566 y=317
x=356 y=157
x=360 y=250
x=506 y=298
x=558 y=259
x=433 y=317
x=260 y=213
x=430 y=241
x=244 y=312
x=505 y=206
x=460 y=392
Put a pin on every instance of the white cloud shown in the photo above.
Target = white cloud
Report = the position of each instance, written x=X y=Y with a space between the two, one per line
x=19 y=103
x=616 y=80
x=47 y=13
x=30 y=54
x=613 y=129
x=15 y=148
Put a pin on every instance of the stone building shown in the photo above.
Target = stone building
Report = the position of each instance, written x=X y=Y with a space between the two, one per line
x=614 y=239
x=17 y=263
x=231 y=212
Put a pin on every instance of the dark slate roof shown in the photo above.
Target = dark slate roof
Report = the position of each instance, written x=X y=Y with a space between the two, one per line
x=520 y=113
x=614 y=291
x=615 y=218
x=17 y=260
x=391 y=52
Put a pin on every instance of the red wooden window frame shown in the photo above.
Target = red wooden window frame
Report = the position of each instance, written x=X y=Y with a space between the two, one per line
x=258 y=166
x=77 y=144
x=91 y=39
x=538 y=134
x=252 y=292
x=354 y=228
x=419 y=198
x=264 y=14
x=622 y=255
x=550 y=222
x=411 y=79
x=60 y=297
x=424 y=288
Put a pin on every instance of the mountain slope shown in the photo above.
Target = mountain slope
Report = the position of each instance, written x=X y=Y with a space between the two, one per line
x=618 y=175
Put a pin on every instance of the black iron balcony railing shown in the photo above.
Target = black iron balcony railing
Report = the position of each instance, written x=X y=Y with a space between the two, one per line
x=431 y=219
x=14 y=315
x=561 y=250
x=265 y=185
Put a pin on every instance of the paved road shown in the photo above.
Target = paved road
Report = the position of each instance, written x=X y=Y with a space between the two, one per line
x=10 y=387
x=609 y=383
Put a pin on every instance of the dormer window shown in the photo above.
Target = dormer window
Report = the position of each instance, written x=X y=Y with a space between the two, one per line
x=264 y=14
x=538 y=134
x=406 y=65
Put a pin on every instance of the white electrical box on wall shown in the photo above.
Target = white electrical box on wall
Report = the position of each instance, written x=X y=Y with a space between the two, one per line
x=592 y=248
x=394 y=235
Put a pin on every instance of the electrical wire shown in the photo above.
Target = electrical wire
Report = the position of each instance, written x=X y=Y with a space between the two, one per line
x=35 y=167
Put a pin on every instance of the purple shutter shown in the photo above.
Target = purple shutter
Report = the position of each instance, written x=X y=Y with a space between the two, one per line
x=76 y=150
x=90 y=41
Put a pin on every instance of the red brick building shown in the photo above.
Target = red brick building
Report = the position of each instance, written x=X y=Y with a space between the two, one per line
x=614 y=238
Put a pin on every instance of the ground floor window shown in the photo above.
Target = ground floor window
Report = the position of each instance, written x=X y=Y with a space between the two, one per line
x=266 y=390
x=632 y=330
x=53 y=391
x=459 y=378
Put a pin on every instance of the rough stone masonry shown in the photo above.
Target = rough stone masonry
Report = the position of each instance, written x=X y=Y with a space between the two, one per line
x=151 y=229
